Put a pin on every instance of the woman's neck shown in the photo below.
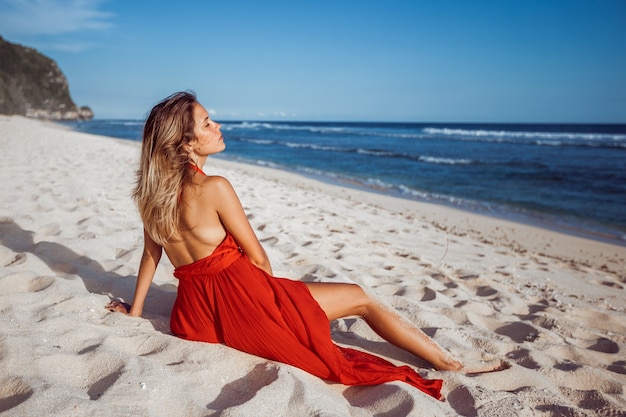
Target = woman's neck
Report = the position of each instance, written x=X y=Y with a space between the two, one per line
x=199 y=162
x=196 y=168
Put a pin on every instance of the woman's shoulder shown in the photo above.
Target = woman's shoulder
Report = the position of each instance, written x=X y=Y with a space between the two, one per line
x=213 y=184
x=209 y=191
x=214 y=181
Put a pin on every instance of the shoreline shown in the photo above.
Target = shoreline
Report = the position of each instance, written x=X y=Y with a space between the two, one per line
x=552 y=305
x=458 y=221
x=579 y=225
x=600 y=233
x=597 y=251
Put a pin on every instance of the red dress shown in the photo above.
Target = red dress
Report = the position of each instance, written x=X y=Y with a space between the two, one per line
x=224 y=298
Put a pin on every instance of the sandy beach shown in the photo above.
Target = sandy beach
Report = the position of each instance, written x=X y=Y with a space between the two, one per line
x=552 y=305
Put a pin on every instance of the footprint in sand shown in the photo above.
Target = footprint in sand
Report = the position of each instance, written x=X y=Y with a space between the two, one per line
x=19 y=259
x=567 y=366
x=23 y=282
x=396 y=401
x=338 y=247
x=52 y=229
x=13 y=392
x=541 y=321
x=605 y=345
x=124 y=254
x=429 y=294
x=451 y=285
x=485 y=291
x=89 y=348
x=519 y=332
x=40 y=283
x=154 y=346
x=99 y=387
x=592 y=400
x=612 y=284
x=619 y=367
x=466 y=275
x=270 y=241
x=93 y=371
x=523 y=358
x=461 y=399
x=242 y=390
x=89 y=222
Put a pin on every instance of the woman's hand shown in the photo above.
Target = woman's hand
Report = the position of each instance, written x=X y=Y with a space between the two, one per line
x=118 y=306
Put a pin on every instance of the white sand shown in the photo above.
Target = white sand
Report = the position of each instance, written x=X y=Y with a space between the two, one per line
x=70 y=238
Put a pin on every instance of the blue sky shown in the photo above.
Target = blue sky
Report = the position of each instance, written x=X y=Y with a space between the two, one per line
x=387 y=60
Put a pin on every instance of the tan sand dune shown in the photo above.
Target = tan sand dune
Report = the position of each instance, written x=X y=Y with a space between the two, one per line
x=553 y=306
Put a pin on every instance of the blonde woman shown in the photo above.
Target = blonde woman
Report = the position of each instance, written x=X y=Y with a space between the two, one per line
x=226 y=291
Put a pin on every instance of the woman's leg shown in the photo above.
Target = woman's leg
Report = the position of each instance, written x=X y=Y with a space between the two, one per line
x=340 y=300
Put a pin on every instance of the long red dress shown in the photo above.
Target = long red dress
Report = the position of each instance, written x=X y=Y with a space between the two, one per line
x=224 y=298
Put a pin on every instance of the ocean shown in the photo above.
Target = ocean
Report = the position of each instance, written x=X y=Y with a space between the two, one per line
x=568 y=177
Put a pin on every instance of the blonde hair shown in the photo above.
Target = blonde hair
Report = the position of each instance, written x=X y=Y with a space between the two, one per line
x=162 y=175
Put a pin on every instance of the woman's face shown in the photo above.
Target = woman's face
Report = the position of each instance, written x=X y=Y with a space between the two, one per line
x=209 y=139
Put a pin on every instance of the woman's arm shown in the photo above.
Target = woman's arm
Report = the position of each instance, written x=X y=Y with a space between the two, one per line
x=236 y=222
x=147 y=267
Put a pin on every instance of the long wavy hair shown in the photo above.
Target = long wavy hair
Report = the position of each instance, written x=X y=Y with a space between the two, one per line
x=162 y=176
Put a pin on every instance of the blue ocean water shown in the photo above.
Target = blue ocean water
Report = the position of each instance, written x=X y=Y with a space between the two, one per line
x=568 y=177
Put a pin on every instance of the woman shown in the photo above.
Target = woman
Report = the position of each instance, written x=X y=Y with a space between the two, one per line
x=226 y=292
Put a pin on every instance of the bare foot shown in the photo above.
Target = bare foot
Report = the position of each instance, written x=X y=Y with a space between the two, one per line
x=482 y=367
x=449 y=364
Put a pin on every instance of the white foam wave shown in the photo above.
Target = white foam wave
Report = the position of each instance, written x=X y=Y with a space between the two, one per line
x=268 y=164
x=445 y=161
x=228 y=126
x=412 y=193
x=388 y=132
x=124 y=122
x=368 y=152
x=314 y=147
x=375 y=152
x=280 y=126
x=260 y=141
x=540 y=138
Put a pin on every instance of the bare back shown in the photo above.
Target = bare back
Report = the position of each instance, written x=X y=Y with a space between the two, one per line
x=201 y=228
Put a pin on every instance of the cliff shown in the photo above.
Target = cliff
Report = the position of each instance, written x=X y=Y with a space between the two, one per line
x=32 y=85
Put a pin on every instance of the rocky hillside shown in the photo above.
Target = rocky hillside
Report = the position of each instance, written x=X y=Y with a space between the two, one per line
x=32 y=85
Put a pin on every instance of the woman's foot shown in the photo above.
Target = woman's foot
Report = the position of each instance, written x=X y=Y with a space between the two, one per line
x=473 y=367
x=449 y=364
x=493 y=365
